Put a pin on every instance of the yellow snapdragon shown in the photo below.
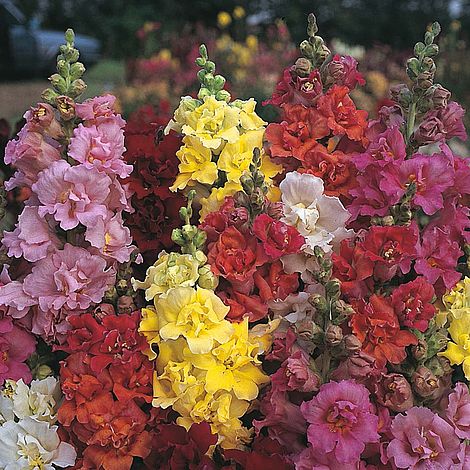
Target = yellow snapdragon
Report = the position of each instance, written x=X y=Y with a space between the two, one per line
x=214 y=122
x=232 y=366
x=169 y=271
x=236 y=158
x=196 y=314
x=457 y=300
x=458 y=350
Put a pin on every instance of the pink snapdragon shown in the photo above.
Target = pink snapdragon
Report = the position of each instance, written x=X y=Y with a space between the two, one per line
x=458 y=410
x=72 y=194
x=30 y=154
x=16 y=345
x=42 y=119
x=101 y=146
x=32 y=238
x=97 y=107
x=341 y=420
x=71 y=279
x=111 y=238
x=422 y=440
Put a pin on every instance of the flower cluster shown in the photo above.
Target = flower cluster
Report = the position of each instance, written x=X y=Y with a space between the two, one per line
x=219 y=137
x=29 y=437
x=70 y=232
x=155 y=164
x=306 y=297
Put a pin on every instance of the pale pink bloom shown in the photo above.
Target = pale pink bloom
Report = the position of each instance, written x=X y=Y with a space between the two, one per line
x=30 y=154
x=72 y=194
x=51 y=325
x=16 y=345
x=71 y=279
x=97 y=107
x=100 y=146
x=458 y=410
x=32 y=238
x=13 y=300
x=111 y=238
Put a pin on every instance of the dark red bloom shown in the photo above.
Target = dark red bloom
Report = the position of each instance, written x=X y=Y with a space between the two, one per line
x=343 y=117
x=378 y=328
x=278 y=239
x=412 y=303
x=235 y=256
x=274 y=283
x=293 y=89
x=384 y=250
x=243 y=305
x=174 y=448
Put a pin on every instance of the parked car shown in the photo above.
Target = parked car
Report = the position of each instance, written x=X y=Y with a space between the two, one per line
x=25 y=47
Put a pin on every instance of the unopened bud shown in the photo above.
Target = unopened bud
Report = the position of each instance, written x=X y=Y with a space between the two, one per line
x=352 y=343
x=333 y=335
x=126 y=305
x=302 y=67
x=425 y=383
x=207 y=279
x=420 y=350
x=77 y=87
x=42 y=372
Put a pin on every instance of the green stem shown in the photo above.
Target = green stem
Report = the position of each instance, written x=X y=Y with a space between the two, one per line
x=410 y=125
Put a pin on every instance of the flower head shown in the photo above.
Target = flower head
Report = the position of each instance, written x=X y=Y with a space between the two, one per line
x=197 y=315
x=341 y=420
x=421 y=439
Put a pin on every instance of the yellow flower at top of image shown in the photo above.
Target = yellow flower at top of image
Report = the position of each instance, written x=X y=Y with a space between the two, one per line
x=214 y=123
x=223 y=19
x=239 y=12
x=249 y=120
x=196 y=164
x=198 y=315
x=165 y=54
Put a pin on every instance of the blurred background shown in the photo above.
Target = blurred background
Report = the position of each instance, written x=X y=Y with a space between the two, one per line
x=144 y=50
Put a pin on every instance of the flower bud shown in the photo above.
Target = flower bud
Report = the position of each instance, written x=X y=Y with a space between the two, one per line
x=333 y=335
x=207 y=279
x=49 y=95
x=394 y=392
x=420 y=350
x=77 y=87
x=58 y=83
x=319 y=302
x=42 y=372
x=352 y=343
x=76 y=70
x=126 y=305
x=309 y=330
x=199 y=238
x=302 y=67
x=102 y=310
x=66 y=107
x=425 y=383
x=333 y=288
x=110 y=295
x=223 y=95
x=440 y=96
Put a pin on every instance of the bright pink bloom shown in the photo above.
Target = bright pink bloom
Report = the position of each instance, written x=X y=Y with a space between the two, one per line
x=30 y=154
x=341 y=420
x=458 y=410
x=100 y=146
x=16 y=345
x=71 y=279
x=32 y=238
x=438 y=256
x=388 y=148
x=72 y=194
x=422 y=440
x=432 y=175
x=111 y=237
